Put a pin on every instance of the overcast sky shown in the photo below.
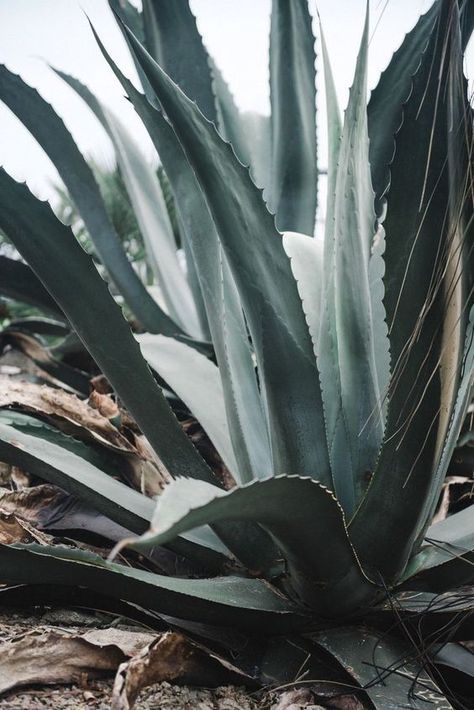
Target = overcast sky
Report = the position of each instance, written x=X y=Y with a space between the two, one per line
x=33 y=32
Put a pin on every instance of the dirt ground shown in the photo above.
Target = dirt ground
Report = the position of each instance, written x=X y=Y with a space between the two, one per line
x=90 y=694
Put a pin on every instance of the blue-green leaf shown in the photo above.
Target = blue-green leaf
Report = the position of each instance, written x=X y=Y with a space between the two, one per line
x=294 y=177
x=309 y=529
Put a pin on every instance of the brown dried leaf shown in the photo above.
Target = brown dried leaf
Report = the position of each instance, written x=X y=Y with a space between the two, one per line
x=174 y=658
x=11 y=531
x=59 y=404
x=104 y=404
x=48 y=507
x=57 y=656
x=445 y=503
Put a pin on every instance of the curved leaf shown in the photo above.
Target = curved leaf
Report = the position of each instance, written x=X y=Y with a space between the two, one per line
x=388 y=669
x=170 y=26
x=53 y=252
x=18 y=281
x=249 y=133
x=427 y=299
x=249 y=604
x=70 y=464
x=59 y=459
x=347 y=361
x=49 y=130
x=306 y=255
x=293 y=119
x=247 y=419
x=447 y=557
x=146 y=196
x=385 y=109
x=263 y=275
x=309 y=529
x=196 y=381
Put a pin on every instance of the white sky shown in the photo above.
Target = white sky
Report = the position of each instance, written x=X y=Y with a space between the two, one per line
x=235 y=32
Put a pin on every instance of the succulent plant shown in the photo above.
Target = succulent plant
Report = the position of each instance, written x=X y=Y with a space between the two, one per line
x=340 y=369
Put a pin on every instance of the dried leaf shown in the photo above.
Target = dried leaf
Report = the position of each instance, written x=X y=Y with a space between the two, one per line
x=64 y=406
x=10 y=530
x=104 y=404
x=48 y=507
x=58 y=656
x=176 y=659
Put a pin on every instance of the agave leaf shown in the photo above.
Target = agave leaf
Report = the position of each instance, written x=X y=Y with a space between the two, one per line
x=249 y=133
x=168 y=28
x=463 y=398
x=48 y=129
x=248 y=603
x=426 y=299
x=293 y=118
x=39 y=326
x=258 y=131
x=133 y=18
x=388 y=669
x=306 y=256
x=347 y=359
x=263 y=276
x=35 y=231
x=42 y=357
x=436 y=616
x=457 y=656
x=70 y=464
x=18 y=281
x=447 y=557
x=385 y=109
x=247 y=420
x=147 y=199
x=46 y=452
x=309 y=529
x=196 y=381
x=53 y=252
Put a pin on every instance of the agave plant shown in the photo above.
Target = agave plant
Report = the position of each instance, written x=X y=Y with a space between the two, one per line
x=341 y=367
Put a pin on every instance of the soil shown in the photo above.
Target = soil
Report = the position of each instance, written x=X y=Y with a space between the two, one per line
x=95 y=694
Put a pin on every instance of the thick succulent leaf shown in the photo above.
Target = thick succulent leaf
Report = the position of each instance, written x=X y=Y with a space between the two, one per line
x=309 y=529
x=349 y=330
x=306 y=255
x=39 y=326
x=60 y=262
x=257 y=128
x=133 y=18
x=149 y=206
x=196 y=381
x=45 y=360
x=385 y=109
x=426 y=300
x=447 y=555
x=19 y=282
x=49 y=130
x=247 y=420
x=388 y=669
x=59 y=459
x=263 y=276
x=229 y=601
x=381 y=341
x=437 y=616
x=294 y=181
x=463 y=399
x=249 y=133
x=457 y=656
x=170 y=27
